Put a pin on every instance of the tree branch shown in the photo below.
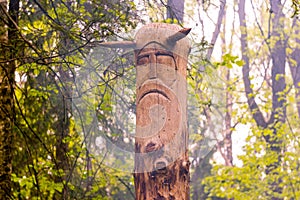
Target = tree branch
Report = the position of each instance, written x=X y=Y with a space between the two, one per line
x=257 y=114
x=217 y=28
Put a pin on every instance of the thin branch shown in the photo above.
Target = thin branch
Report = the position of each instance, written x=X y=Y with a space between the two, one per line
x=266 y=39
x=126 y=185
x=217 y=28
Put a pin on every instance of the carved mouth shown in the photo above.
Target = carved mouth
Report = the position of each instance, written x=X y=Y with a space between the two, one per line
x=154 y=91
x=154 y=88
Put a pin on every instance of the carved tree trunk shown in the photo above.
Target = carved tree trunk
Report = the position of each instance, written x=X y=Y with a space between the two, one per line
x=161 y=161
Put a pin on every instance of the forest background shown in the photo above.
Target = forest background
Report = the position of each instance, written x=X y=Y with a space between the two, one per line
x=66 y=102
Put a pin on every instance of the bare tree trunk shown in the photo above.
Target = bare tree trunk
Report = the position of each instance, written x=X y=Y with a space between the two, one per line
x=278 y=55
x=62 y=125
x=63 y=110
x=228 y=103
x=63 y=113
x=6 y=115
x=228 y=127
x=278 y=113
x=175 y=10
x=217 y=28
x=295 y=66
x=257 y=115
x=8 y=39
x=202 y=170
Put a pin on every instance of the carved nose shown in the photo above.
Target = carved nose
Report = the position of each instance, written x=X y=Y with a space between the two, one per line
x=152 y=72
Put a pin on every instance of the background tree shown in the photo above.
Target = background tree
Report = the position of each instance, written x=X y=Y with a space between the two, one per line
x=9 y=50
x=47 y=46
x=175 y=10
x=269 y=99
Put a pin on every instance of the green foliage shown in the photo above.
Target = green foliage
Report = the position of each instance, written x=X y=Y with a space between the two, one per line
x=52 y=158
x=252 y=180
x=229 y=60
x=170 y=21
x=206 y=103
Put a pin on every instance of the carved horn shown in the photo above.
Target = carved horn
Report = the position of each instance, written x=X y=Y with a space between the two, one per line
x=119 y=44
x=179 y=35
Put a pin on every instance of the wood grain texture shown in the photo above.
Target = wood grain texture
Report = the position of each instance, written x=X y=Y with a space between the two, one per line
x=161 y=160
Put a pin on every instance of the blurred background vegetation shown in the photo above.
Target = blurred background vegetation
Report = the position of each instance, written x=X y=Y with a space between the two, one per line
x=61 y=94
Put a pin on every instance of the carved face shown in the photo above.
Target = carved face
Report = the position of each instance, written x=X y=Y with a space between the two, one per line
x=159 y=102
x=161 y=52
x=155 y=63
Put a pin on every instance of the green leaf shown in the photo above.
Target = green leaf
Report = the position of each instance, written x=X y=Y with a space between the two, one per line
x=240 y=63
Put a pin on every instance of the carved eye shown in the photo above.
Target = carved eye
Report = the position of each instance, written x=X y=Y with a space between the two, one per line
x=142 y=60
x=165 y=58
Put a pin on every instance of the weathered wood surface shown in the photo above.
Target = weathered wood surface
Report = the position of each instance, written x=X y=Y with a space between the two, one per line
x=161 y=161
